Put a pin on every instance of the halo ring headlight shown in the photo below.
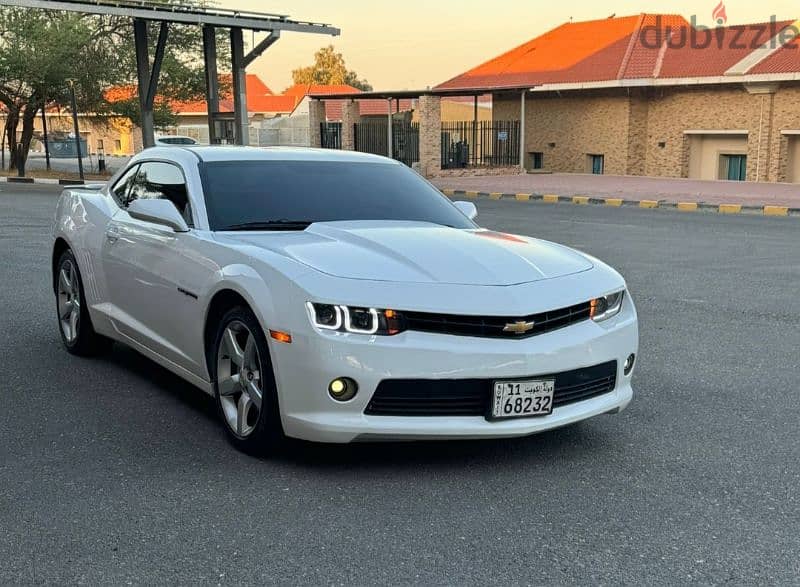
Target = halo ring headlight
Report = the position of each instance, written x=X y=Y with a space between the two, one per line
x=355 y=320
x=606 y=307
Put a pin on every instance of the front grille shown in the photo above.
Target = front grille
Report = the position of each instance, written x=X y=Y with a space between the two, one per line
x=472 y=397
x=492 y=326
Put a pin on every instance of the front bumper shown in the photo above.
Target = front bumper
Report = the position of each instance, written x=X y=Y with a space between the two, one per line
x=304 y=369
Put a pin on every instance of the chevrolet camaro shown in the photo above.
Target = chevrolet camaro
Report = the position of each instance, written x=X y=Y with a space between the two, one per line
x=336 y=297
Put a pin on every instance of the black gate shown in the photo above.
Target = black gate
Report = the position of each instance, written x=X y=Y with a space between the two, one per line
x=372 y=137
x=331 y=135
x=487 y=143
x=405 y=142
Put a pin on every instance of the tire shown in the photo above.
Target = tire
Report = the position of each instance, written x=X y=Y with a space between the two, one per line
x=244 y=384
x=72 y=311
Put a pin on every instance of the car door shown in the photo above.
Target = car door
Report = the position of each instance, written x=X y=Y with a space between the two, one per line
x=147 y=265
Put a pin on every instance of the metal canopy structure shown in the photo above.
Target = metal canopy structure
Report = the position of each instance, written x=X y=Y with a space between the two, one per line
x=210 y=19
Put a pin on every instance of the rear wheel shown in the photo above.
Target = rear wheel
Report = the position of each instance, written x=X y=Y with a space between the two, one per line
x=75 y=324
x=244 y=384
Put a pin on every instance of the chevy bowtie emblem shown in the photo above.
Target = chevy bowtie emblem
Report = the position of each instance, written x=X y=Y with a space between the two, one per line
x=519 y=327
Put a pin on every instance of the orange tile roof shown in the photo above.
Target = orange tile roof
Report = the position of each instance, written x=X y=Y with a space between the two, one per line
x=256 y=86
x=699 y=61
x=629 y=47
x=306 y=89
x=784 y=60
x=259 y=98
x=277 y=104
x=333 y=108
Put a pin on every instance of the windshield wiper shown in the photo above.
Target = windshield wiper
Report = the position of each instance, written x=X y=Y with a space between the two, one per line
x=280 y=224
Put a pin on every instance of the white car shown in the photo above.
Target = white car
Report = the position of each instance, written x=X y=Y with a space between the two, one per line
x=336 y=297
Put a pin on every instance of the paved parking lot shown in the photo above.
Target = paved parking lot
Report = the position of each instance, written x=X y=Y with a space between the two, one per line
x=113 y=470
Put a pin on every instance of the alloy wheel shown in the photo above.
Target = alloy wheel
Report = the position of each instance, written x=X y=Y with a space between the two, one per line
x=239 y=378
x=69 y=301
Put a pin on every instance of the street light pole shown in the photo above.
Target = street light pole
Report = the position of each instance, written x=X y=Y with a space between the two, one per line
x=76 y=130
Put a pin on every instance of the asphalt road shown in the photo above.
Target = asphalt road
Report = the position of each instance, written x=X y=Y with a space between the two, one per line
x=113 y=470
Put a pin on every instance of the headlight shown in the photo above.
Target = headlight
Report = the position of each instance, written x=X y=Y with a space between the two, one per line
x=355 y=319
x=604 y=308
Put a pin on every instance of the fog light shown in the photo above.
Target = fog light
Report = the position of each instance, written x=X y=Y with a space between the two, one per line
x=342 y=389
x=628 y=366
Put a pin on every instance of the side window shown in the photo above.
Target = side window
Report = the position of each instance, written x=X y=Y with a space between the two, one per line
x=123 y=186
x=157 y=180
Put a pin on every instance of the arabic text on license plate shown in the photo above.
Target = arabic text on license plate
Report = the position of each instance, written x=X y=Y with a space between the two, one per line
x=513 y=399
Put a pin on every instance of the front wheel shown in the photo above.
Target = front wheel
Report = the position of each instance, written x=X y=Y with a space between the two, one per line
x=75 y=324
x=244 y=384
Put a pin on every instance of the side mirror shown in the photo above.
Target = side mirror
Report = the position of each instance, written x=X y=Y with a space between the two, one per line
x=468 y=209
x=161 y=212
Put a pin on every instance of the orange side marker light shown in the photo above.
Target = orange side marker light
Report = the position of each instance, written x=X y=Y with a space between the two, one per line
x=281 y=336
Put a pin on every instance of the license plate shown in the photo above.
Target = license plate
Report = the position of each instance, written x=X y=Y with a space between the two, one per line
x=514 y=399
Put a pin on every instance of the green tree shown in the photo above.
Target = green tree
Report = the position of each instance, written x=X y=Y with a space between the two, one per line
x=41 y=51
x=329 y=69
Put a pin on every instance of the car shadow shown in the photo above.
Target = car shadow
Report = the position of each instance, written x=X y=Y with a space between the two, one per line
x=124 y=357
x=568 y=443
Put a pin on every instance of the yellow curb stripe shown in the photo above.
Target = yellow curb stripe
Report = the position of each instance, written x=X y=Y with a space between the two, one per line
x=470 y=194
x=648 y=204
x=449 y=193
x=495 y=195
x=687 y=206
x=776 y=211
x=523 y=197
x=730 y=208
x=550 y=198
x=580 y=199
x=613 y=201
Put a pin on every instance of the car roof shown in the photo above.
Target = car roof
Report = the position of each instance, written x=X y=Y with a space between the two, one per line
x=238 y=153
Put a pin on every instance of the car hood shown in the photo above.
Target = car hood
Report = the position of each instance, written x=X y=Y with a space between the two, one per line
x=419 y=252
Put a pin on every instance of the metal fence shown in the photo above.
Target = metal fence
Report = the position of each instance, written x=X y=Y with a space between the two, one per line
x=331 y=135
x=372 y=137
x=487 y=143
x=405 y=142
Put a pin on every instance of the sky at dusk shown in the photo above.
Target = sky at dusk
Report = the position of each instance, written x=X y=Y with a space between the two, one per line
x=414 y=44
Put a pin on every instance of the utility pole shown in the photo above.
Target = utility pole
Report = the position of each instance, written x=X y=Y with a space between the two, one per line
x=76 y=130
x=44 y=131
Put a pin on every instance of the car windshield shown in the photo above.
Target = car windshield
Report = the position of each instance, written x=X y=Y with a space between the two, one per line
x=290 y=195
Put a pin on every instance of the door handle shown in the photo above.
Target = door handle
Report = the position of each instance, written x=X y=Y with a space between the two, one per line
x=112 y=234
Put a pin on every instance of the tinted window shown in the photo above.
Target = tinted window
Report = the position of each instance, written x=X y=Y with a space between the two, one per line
x=157 y=180
x=239 y=192
x=120 y=191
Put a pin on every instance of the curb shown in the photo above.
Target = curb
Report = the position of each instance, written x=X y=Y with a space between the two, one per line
x=41 y=181
x=766 y=210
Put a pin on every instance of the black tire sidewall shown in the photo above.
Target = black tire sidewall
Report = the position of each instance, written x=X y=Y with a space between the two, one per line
x=268 y=433
x=87 y=341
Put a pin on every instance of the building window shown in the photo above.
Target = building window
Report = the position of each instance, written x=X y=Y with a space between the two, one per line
x=595 y=164
x=537 y=160
x=733 y=167
x=117 y=145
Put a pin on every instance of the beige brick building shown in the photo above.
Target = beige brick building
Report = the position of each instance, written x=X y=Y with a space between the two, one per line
x=670 y=132
x=637 y=100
